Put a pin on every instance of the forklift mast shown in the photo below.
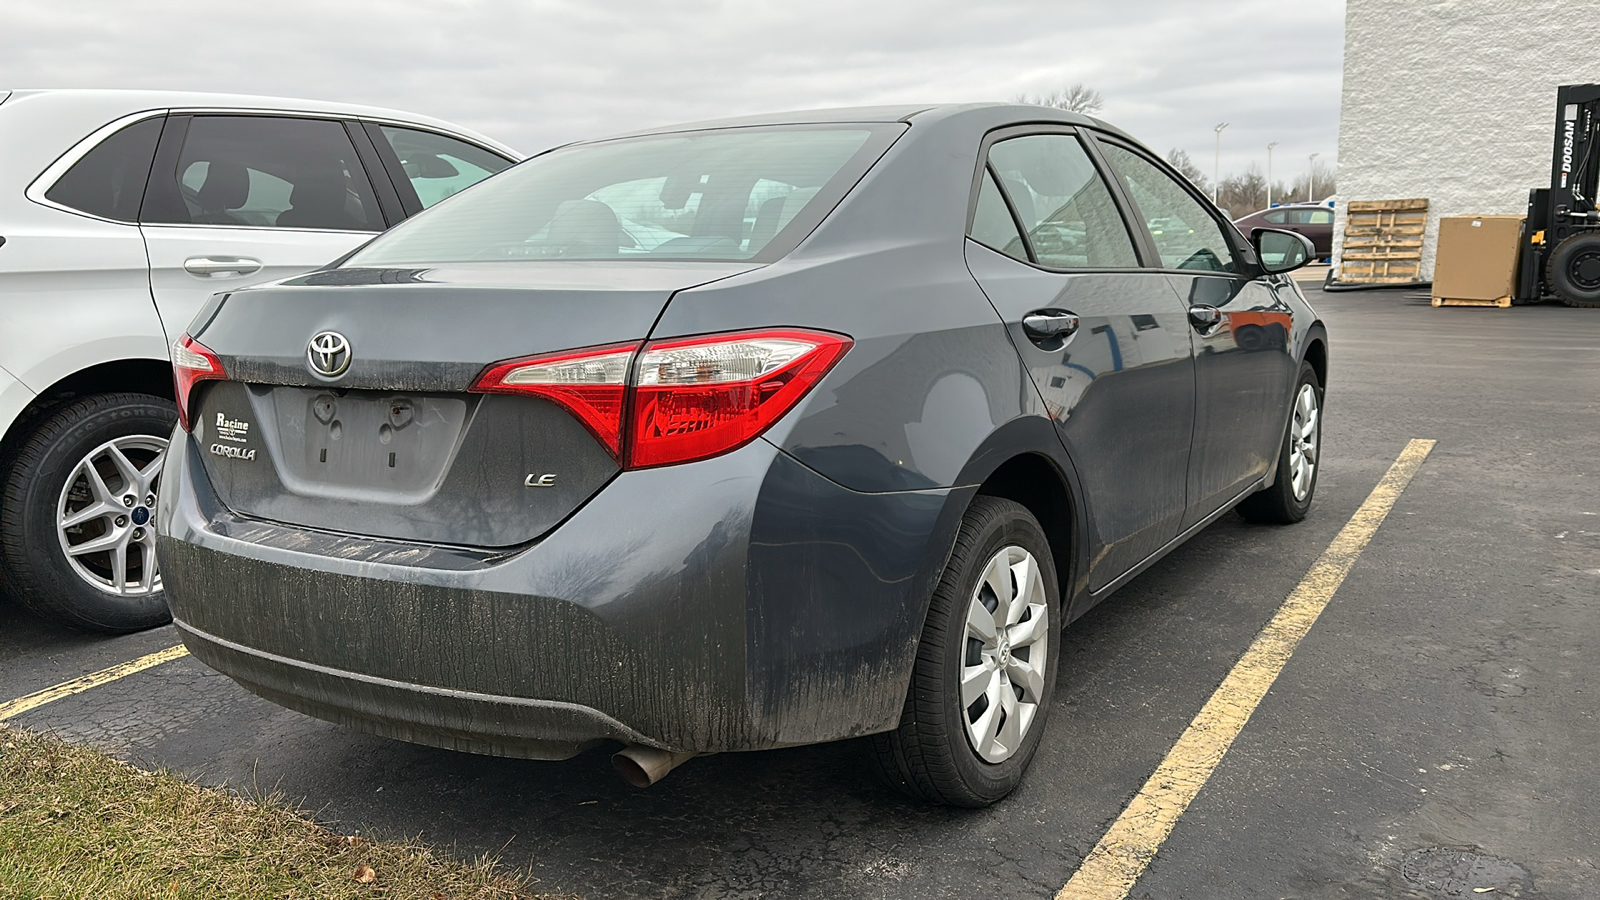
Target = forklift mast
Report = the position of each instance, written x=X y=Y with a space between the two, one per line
x=1573 y=165
x=1568 y=206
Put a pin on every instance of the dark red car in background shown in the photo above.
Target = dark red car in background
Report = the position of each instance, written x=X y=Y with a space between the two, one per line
x=1314 y=220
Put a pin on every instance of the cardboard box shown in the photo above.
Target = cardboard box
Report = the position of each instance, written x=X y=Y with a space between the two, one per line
x=1477 y=260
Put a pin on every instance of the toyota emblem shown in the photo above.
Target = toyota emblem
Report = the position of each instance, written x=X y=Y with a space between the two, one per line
x=328 y=354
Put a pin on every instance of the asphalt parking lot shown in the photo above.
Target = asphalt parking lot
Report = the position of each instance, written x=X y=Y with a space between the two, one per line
x=1433 y=733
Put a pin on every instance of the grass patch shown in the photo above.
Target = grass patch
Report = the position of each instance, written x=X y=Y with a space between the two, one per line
x=76 y=823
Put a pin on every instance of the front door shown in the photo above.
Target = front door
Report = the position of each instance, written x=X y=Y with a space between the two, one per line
x=1244 y=363
x=235 y=200
x=1105 y=341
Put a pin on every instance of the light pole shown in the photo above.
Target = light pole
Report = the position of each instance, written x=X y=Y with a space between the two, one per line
x=1216 y=162
x=1311 y=180
x=1269 y=173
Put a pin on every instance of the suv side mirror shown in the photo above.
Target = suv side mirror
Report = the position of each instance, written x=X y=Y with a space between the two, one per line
x=1281 y=251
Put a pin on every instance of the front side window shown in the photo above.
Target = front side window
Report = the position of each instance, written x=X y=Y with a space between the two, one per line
x=1185 y=234
x=1320 y=217
x=1066 y=210
x=269 y=172
x=726 y=194
x=437 y=166
x=109 y=180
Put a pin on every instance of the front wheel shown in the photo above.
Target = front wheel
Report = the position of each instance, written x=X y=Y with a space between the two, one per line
x=1574 y=270
x=1289 y=498
x=986 y=666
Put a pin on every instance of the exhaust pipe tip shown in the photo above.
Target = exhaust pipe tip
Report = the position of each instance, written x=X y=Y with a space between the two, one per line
x=643 y=766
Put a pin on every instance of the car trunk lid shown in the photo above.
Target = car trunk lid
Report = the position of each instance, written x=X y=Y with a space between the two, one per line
x=394 y=445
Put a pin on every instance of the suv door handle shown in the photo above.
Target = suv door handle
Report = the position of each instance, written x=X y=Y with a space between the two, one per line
x=208 y=267
x=1204 y=318
x=1049 y=323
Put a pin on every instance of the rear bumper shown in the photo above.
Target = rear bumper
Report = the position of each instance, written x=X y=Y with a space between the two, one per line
x=739 y=603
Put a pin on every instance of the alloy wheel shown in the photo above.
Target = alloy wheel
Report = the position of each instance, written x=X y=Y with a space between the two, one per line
x=1305 y=434
x=105 y=517
x=1003 y=667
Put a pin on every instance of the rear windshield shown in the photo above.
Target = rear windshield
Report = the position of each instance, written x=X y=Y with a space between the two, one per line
x=728 y=194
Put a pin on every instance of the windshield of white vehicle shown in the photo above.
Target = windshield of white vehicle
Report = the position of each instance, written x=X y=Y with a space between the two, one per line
x=727 y=194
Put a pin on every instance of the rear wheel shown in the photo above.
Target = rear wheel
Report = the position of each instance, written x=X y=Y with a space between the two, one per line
x=1574 y=270
x=986 y=666
x=77 y=536
x=1289 y=498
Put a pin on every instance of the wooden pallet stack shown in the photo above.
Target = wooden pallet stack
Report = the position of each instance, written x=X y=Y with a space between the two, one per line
x=1383 y=241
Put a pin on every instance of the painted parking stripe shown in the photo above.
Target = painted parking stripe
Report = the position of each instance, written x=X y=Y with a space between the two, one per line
x=1114 y=865
x=93 y=680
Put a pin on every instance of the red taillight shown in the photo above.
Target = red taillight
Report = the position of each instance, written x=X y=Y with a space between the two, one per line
x=590 y=384
x=699 y=397
x=690 y=398
x=192 y=362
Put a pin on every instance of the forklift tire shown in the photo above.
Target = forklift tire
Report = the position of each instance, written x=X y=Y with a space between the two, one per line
x=1574 y=270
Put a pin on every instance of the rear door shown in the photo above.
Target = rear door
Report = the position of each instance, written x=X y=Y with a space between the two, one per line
x=235 y=200
x=1103 y=337
x=1244 y=367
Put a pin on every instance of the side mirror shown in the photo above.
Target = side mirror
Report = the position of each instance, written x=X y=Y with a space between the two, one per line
x=1281 y=251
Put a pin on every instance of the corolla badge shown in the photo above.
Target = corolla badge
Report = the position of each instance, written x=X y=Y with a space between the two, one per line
x=328 y=354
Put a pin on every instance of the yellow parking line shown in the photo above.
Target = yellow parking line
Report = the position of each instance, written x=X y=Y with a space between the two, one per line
x=94 y=679
x=1114 y=865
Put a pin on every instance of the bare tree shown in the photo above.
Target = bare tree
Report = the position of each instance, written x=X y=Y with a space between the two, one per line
x=1180 y=160
x=1326 y=186
x=1079 y=98
x=1243 y=194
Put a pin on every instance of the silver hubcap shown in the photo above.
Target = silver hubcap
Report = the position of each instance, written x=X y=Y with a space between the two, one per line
x=1305 y=431
x=106 y=516
x=1007 y=643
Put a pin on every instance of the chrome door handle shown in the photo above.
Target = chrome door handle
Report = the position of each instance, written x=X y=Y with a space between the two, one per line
x=209 y=267
x=1049 y=323
x=1205 y=318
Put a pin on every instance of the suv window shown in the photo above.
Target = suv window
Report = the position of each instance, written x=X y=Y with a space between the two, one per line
x=270 y=172
x=1066 y=209
x=1185 y=234
x=992 y=225
x=438 y=166
x=109 y=180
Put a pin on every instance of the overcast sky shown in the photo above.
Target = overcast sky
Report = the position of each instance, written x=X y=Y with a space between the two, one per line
x=542 y=72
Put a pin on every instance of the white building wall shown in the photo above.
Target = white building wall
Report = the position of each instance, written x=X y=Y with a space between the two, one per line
x=1454 y=100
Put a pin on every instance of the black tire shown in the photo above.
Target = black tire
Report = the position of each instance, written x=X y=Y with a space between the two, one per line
x=38 y=574
x=1573 y=270
x=929 y=756
x=1278 y=505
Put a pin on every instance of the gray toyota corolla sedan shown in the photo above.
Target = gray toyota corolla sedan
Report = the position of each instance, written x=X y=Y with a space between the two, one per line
x=737 y=435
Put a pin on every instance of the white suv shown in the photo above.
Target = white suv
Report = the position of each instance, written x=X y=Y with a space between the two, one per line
x=121 y=213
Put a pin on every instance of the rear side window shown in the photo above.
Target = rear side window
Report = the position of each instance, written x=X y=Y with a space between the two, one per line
x=1276 y=217
x=109 y=180
x=725 y=194
x=269 y=172
x=1066 y=209
x=992 y=225
x=437 y=166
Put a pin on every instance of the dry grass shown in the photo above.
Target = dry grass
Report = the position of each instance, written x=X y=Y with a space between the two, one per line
x=75 y=823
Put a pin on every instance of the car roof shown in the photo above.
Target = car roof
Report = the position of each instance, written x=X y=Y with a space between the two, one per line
x=912 y=113
x=133 y=101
